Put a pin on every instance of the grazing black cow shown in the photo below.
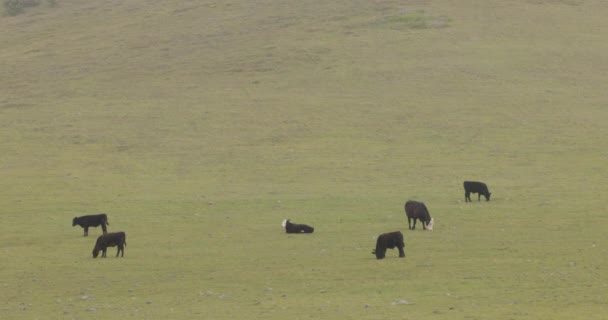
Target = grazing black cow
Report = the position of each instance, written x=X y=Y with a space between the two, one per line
x=417 y=210
x=389 y=241
x=110 y=240
x=93 y=220
x=475 y=187
x=296 y=228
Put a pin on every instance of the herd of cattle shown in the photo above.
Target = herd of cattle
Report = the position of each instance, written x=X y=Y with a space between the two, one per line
x=414 y=211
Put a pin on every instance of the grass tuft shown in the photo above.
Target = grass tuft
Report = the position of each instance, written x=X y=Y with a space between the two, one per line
x=418 y=19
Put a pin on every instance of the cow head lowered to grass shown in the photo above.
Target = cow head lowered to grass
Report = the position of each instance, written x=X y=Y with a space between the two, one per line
x=296 y=228
x=115 y=239
x=415 y=210
x=389 y=240
x=476 y=187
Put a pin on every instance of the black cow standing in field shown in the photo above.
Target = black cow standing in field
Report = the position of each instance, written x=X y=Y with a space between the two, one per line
x=114 y=239
x=94 y=220
x=417 y=210
x=475 y=187
x=296 y=228
x=389 y=241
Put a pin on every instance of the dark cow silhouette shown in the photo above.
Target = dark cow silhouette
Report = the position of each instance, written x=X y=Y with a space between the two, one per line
x=296 y=228
x=389 y=241
x=417 y=210
x=94 y=220
x=475 y=187
x=114 y=239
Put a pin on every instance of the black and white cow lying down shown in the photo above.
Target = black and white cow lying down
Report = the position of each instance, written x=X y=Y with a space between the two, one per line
x=94 y=220
x=417 y=210
x=389 y=241
x=475 y=187
x=296 y=228
x=115 y=239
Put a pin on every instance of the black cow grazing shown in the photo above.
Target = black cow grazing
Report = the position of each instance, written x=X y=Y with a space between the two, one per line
x=417 y=210
x=296 y=228
x=92 y=221
x=475 y=187
x=110 y=240
x=389 y=241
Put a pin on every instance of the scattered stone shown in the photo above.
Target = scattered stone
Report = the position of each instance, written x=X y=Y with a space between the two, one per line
x=92 y=309
x=402 y=301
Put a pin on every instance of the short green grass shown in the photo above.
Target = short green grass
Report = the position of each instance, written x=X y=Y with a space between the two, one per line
x=198 y=126
x=416 y=20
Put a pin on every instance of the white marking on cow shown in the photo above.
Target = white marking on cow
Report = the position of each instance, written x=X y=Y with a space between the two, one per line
x=430 y=225
x=284 y=223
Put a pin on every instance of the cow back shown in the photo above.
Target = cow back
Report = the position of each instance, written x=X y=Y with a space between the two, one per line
x=415 y=209
x=111 y=239
x=93 y=220
x=475 y=187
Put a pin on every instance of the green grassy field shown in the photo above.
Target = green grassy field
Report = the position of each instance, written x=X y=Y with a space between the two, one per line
x=198 y=126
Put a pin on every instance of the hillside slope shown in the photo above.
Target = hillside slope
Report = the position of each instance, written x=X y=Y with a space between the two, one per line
x=200 y=125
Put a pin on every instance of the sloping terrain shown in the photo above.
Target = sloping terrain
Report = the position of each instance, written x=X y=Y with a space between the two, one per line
x=198 y=126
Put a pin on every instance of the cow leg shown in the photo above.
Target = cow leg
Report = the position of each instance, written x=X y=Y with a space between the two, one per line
x=424 y=225
x=86 y=231
x=401 y=252
x=409 y=223
x=103 y=253
x=103 y=227
x=467 y=196
x=479 y=197
x=414 y=226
